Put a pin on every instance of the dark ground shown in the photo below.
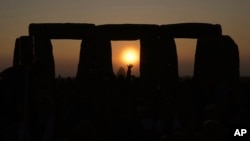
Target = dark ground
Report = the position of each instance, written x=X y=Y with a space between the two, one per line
x=121 y=109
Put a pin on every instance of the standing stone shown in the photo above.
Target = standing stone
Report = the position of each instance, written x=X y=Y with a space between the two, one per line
x=23 y=52
x=103 y=57
x=26 y=50
x=158 y=60
x=148 y=66
x=87 y=64
x=167 y=62
x=95 y=59
x=216 y=62
x=16 y=58
x=148 y=58
x=44 y=60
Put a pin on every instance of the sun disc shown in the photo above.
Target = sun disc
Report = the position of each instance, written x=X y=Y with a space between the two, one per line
x=130 y=56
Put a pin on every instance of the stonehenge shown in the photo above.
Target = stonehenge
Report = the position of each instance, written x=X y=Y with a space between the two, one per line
x=217 y=56
x=36 y=99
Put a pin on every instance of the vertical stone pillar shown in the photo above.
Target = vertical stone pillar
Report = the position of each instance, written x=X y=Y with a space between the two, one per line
x=87 y=64
x=216 y=73
x=148 y=66
x=95 y=59
x=44 y=60
x=148 y=57
x=26 y=50
x=158 y=59
x=159 y=69
x=16 y=57
x=168 y=62
x=103 y=57
x=23 y=52
x=216 y=60
x=216 y=70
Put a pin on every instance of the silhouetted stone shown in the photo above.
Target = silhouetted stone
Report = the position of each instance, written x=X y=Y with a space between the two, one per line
x=16 y=57
x=44 y=60
x=103 y=54
x=140 y=109
x=216 y=61
x=26 y=50
x=191 y=30
x=23 y=52
x=158 y=60
x=167 y=64
x=87 y=65
x=127 y=31
x=148 y=57
x=123 y=31
x=61 y=30
x=95 y=59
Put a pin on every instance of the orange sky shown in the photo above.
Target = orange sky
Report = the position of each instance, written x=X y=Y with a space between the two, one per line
x=16 y=15
x=118 y=50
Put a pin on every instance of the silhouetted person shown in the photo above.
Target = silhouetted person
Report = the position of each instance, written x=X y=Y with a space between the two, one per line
x=129 y=71
x=121 y=74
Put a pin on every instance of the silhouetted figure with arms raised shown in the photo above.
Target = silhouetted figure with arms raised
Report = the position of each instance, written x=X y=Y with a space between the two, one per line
x=129 y=71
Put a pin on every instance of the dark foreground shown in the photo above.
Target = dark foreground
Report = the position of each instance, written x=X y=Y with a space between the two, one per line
x=121 y=110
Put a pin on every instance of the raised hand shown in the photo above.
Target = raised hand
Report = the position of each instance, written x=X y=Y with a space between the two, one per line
x=130 y=66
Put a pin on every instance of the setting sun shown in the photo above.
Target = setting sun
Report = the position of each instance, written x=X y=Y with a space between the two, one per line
x=125 y=53
x=130 y=56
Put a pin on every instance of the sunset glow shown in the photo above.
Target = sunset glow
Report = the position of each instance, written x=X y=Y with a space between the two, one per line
x=16 y=16
x=125 y=53
x=130 y=56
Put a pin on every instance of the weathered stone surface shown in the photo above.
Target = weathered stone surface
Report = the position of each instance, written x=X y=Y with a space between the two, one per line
x=61 y=30
x=190 y=30
x=216 y=60
x=127 y=31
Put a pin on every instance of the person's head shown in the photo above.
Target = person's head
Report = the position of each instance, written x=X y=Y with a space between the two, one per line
x=121 y=73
